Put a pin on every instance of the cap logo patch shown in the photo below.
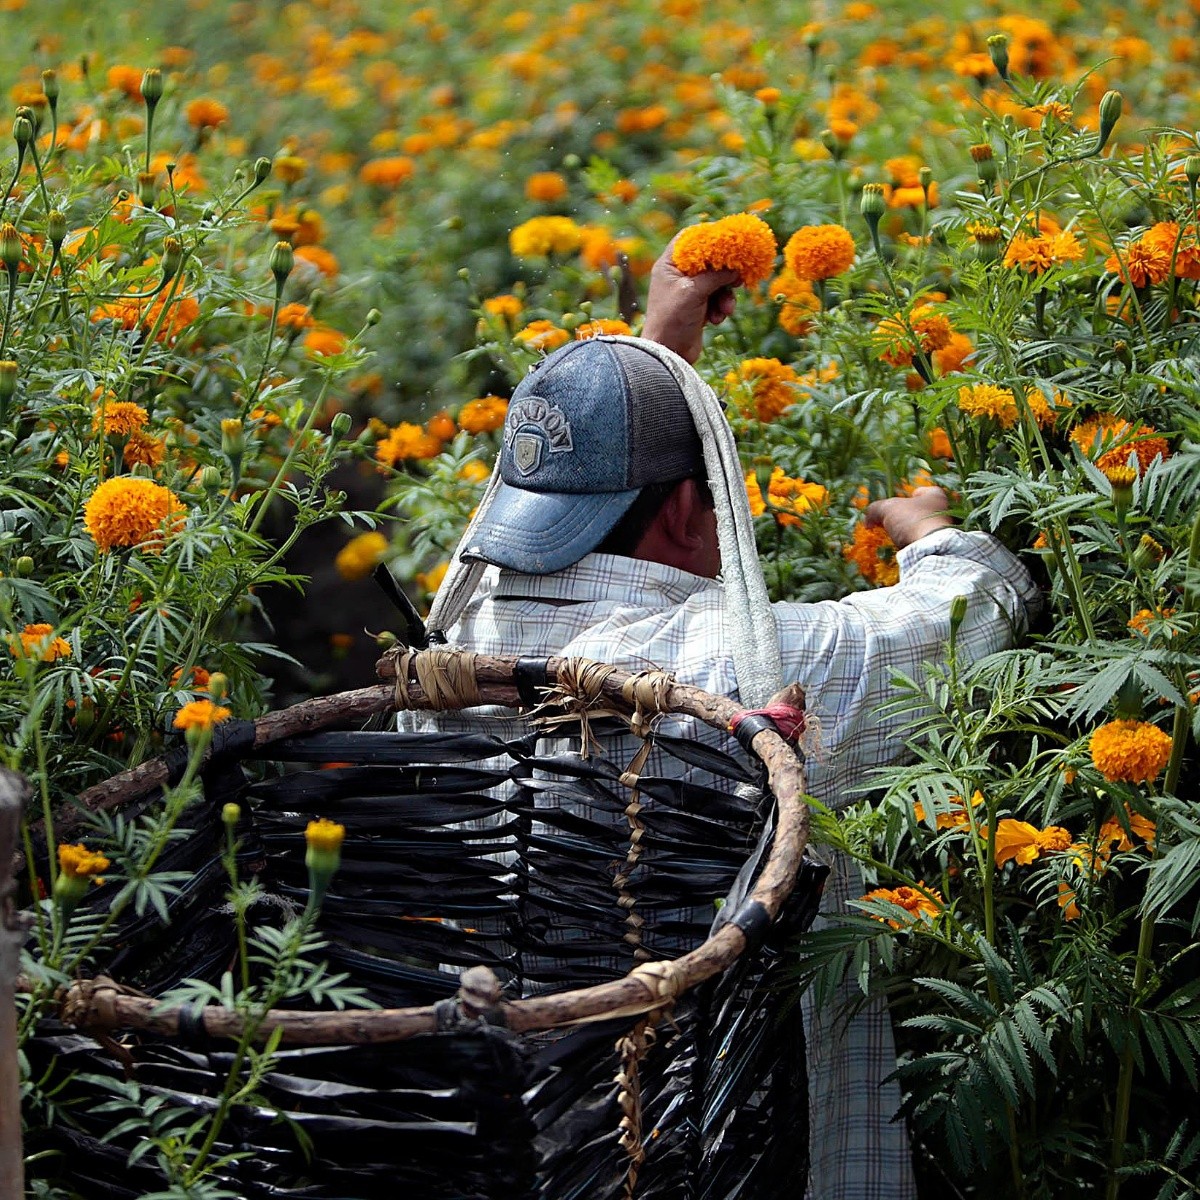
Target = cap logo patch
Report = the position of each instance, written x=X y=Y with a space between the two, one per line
x=527 y=452
x=543 y=416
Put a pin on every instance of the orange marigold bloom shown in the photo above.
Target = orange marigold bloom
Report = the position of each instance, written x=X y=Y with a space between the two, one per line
x=797 y=301
x=1142 y=262
x=542 y=335
x=473 y=471
x=790 y=498
x=591 y=329
x=767 y=384
x=1095 y=434
x=1130 y=751
x=1038 y=252
x=819 y=251
x=181 y=312
x=1112 y=834
x=895 y=342
x=130 y=511
x=37 y=642
x=507 y=306
x=540 y=237
x=484 y=415
x=359 y=556
x=954 y=355
x=1166 y=236
x=144 y=449
x=324 y=339
x=955 y=816
x=545 y=186
x=406 y=441
x=429 y=581
x=206 y=113
x=920 y=903
x=1141 y=620
x=200 y=714
x=442 y=426
x=981 y=400
x=320 y=258
x=390 y=171
x=874 y=554
x=295 y=316
x=742 y=243
x=197 y=678
x=78 y=862
x=120 y=418
x=1020 y=842
x=126 y=79
x=939 y=443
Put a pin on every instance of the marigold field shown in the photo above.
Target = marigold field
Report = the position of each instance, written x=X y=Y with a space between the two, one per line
x=254 y=257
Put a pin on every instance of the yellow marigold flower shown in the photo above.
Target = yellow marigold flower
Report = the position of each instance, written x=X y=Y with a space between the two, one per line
x=206 y=113
x=291 y=168
x=429 y=581
x=359 y=556
x=78 y=862
x=120 y=418
x=1120 y=475
x=473 y=471
x=200 y=714
x=955 y=816
x=981 y=400
x=1140 y=621
x=819 y=251
x=540 y=237
x=768 y=385
x=542 y=335
x=507 y=306
x=1130 y=751
x=895 y=342
x=742 y=243
x=391 y=171
x=591 y=329
x=37 y=642
x=874 y=554
x=1038 y=252
x=1040 y=408
x=545 y=186
x=920 y=903
x=790 y=498
x=1095 y=435
x=1020 y=842
x=1112 y=834
x=324 y=835
x=128 y=511
x=406 y=441
x=797 y=301
x=484 y=415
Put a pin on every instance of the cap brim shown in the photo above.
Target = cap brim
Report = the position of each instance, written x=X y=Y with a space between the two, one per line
x=540 y=532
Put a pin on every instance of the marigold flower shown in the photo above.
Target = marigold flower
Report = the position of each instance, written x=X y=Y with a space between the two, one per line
x=894 y=339
x=1020 y=842
x=78 y=862
x=484 y=415
x=441 y=426
x=318 y=258
x=295 y=316
x=37 y=642
x=954 y=355
x=981 y=400
x=540 y=237
x=797 y=301
x=130 y=511
x=545 y=186
x=473 y=471
x=790 y=498
x=591 y=329
x=742 y=243
x=429 y=581
x=920 y=903
x=542 y=335
x=201 y=715
x=206 y=113
x=324 y=835
x=197 y=678
x=1141 y=620
x=770 y=384
x=1113 y=834
x=507 y=306
x=874 y=554
x=939 y=443
x=1130 y=751
x=1095 y=434
x=406 y=441
x=120 y=418
x=144 y=449
x=819 y=251
x=324 y=340
x=291 y=168
x=1142 y=262
x=955 y=816
x=359 y=556
x=1038 y=252
x=388 y=172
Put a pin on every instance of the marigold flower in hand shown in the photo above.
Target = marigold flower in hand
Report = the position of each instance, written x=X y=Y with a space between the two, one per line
x=819 y=251
x=37 y=642
x=1130 y=751
x=920 y=903
x=359 y=556
x=742 y=243
x=130 y=511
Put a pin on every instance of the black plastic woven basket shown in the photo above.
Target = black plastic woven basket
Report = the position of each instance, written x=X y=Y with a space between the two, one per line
x=508 y=851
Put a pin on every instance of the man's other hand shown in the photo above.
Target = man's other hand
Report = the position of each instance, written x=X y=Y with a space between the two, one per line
x=907 y=518
x=679 y=305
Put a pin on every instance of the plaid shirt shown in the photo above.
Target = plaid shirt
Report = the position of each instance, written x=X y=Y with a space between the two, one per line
x=636 y=614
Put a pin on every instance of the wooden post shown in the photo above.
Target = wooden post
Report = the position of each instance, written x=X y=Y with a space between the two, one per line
x=14 y=791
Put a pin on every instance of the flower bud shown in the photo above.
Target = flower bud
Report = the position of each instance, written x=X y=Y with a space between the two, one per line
x=987 y=241
x=282 y=261
x=218 y=686
x=23 y=567
x=231 y=814
x=210 y=479
x=56 y=228
x=142 y=470
x=152 y=87
x=1191 y=169
x=1110 y=113
x=1148 y=553
x=262 y=170
x=8 y=379
x=374 y=317
x=386 y=640
x=340 y=425
x=835 y=145
x=925 y=177
x=172 y=258
x=958 y=612
x=10 y=247
x=147 y=188
x=997 y=46
x=1123 y=354
x=50 y=86
x=85 y=715
x=872 y=206
x=233 y=438
x=22 y=132
x=1131 y=703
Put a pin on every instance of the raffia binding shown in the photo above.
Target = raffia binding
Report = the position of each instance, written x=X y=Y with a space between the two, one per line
x=446 y=678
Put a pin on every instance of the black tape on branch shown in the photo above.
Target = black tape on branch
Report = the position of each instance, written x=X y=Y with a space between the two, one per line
x=531 y=677
x=753 y=920
x=750 y=726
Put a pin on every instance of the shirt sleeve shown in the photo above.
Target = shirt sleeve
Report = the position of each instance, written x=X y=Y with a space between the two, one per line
x=845 y=652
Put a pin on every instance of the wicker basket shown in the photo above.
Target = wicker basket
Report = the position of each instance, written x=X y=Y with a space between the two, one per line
x=481 y=874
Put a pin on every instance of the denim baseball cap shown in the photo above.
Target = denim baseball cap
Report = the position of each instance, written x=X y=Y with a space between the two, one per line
x=587 y=429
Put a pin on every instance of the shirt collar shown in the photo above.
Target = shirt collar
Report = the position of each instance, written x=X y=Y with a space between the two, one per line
x=605 y=577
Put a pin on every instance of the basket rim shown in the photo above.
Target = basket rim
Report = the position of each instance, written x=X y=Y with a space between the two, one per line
x=101 y=1003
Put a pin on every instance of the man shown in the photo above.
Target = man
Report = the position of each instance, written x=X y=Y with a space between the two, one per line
x=616 y=527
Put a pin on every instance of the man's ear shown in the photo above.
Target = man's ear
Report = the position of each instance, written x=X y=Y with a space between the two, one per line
x=682 y=515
